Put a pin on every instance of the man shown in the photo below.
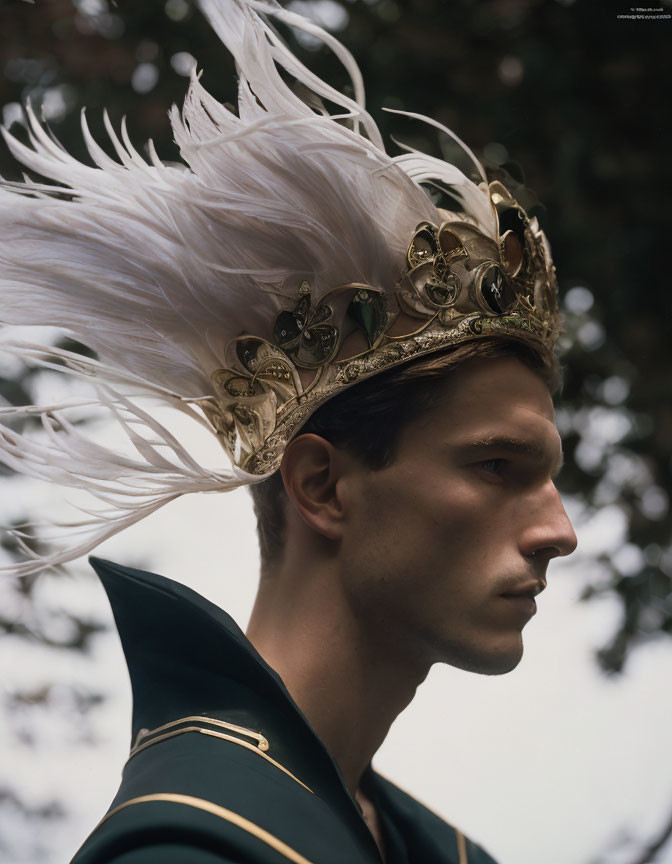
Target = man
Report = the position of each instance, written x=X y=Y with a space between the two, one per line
x=378 y=369
x=436 y=556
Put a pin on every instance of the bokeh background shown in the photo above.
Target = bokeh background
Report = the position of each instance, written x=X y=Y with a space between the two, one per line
x=567 y=760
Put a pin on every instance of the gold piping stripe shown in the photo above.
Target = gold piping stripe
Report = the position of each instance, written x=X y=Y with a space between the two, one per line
x=225 y=737
x=461 y=847
x=234 y=818
x=211 y=721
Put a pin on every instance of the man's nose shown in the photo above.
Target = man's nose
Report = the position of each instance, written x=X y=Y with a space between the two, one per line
x=549 y=533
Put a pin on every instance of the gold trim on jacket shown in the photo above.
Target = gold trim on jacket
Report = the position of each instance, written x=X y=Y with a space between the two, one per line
x=152 y=736
x=221 y=812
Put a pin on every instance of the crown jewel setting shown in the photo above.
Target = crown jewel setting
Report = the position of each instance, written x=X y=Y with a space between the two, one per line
x=458 y=284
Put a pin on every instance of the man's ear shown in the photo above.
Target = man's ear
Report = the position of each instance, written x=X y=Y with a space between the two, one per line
x=311 y=470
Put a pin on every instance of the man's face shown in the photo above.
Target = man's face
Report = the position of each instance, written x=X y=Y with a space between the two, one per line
x=466 y=514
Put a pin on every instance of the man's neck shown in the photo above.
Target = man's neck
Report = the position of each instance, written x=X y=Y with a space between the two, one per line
x=349 y=687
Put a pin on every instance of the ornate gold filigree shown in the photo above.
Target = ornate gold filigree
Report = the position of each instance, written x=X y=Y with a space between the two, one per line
x=458 y=284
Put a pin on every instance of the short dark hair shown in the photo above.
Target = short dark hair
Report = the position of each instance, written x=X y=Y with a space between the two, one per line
x=367 y=419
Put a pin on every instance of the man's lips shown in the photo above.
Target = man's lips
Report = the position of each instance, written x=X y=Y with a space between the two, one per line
x=521 y=595
x=529 y=588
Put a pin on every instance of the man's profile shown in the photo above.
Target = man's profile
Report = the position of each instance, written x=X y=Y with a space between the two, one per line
x=379 y=371
x=434 y=556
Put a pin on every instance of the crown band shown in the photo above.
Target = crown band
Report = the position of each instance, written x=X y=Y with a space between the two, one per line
x=459 y=284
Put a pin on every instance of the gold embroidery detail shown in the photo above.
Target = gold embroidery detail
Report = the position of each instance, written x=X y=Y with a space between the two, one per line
x=222 y=736
x=228 y=815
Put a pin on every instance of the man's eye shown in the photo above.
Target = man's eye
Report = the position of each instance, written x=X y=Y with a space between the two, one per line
x=492 y=466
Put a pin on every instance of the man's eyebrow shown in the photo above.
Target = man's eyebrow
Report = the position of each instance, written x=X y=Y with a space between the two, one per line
x=511 y=444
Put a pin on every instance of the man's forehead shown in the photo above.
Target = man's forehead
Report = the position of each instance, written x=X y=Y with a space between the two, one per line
x=501 y=405
x=483 y=385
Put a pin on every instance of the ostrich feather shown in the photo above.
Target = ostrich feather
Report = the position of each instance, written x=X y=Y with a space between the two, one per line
x=156 y=267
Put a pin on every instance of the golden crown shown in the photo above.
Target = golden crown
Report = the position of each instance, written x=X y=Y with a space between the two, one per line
x=458 y=284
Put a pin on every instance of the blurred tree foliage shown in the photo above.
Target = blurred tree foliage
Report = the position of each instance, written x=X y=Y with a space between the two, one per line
x=566 y=89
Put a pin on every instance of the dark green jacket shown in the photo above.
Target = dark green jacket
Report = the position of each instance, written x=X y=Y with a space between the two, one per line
x=225 y=769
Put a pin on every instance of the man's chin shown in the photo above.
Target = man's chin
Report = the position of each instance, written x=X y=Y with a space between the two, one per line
x=497 y=661
x=500 y=665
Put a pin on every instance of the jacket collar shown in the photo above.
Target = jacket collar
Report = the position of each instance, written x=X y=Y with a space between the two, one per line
x=186 y=656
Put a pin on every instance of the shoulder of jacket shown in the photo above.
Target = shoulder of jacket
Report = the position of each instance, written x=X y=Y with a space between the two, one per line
x=183 y=824
x=218 y=796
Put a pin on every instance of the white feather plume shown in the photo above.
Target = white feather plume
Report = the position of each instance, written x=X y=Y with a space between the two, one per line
x=157 y=267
